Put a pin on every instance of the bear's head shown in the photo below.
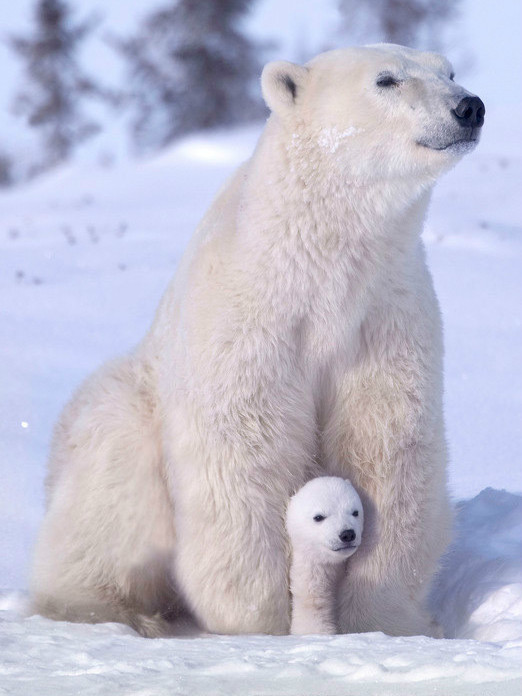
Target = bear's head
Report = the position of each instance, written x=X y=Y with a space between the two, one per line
x=376 y=111
x=325 y=520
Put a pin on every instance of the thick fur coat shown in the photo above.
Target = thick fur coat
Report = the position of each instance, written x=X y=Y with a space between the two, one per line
x=301 y=336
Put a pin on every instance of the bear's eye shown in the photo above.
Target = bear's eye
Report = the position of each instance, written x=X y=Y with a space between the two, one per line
x=452 y=76
x=355 y=513
x=319 y=518
x=387 y=81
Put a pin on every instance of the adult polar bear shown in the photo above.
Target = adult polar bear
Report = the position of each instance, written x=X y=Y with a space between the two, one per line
x=301 y=336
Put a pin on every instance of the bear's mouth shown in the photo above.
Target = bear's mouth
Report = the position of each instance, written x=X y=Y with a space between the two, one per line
x=458 y=144
x=345 y=547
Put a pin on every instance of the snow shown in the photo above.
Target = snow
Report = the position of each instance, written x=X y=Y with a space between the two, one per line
x=109 y=659
x=331 y=139
x=85 y=254
x=478 y=592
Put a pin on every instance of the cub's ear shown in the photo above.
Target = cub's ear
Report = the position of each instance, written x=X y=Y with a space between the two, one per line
x=282 y=83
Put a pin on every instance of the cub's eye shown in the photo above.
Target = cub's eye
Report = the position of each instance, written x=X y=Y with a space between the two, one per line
x=387 y=81
x=319 y=518
x=452 y=76
x=355 y=513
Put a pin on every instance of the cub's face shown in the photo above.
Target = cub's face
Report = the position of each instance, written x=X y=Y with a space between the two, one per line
x=378 y=111
x=325 y=520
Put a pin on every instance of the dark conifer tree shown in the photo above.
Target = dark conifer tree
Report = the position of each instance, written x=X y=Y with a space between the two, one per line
x=415 y=23
x=190 y=68
x=56 y=86
x=6 y=170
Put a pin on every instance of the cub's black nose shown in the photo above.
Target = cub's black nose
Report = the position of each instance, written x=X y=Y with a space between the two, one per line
x=469 y=112
x=347 y=535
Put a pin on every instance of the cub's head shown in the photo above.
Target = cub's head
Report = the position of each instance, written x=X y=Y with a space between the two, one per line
x=325 y=519
x=378 y=111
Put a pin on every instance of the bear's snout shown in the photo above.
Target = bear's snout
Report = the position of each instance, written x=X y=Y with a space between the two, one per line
x=347 y=535
x=470 y=112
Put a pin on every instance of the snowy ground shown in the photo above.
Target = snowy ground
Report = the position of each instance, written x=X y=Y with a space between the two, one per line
x=84 y=257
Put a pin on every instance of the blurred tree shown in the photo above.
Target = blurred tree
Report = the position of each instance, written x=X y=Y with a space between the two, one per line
x=6 y=170
x=415 y=23
x=190 y=68
x=55 y=83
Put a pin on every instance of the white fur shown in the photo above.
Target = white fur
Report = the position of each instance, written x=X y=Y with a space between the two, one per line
x=301 y=336
x=324 y=520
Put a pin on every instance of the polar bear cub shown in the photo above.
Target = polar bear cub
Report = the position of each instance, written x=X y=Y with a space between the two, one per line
x=324 y=521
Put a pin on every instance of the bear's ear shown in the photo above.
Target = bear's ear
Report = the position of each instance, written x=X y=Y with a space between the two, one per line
x=282 y=83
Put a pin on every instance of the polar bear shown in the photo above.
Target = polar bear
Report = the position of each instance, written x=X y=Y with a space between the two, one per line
x=324 y=520
x=301 y=336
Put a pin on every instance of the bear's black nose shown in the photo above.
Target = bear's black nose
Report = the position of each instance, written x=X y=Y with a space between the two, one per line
x=470 y=112
x=347 y=535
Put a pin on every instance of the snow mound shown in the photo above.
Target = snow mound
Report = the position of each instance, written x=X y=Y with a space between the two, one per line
x=478 y=595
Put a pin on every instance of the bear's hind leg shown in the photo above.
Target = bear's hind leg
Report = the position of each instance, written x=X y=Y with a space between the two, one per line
x=107 y=540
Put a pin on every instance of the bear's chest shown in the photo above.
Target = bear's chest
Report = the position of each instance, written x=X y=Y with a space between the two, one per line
x=329 y=333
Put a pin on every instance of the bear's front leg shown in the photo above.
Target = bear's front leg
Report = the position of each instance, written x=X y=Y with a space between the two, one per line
x=385 y=432
x=231 y=474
